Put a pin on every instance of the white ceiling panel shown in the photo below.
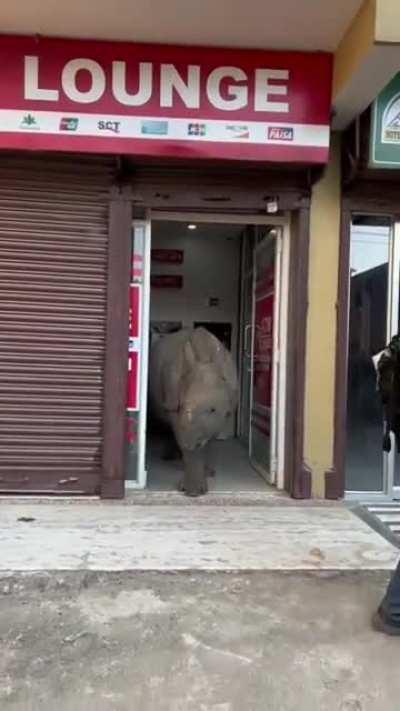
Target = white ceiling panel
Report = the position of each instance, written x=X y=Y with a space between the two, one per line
x=287 y=24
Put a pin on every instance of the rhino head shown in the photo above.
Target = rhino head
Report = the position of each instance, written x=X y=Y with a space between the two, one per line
x=206 y=403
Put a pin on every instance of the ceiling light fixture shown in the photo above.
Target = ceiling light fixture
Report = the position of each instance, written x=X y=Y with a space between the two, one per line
x=192 y=227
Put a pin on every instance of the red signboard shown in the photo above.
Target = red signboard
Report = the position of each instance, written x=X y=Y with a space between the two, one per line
x=133 y=382
x=134 y=310
x=105 y=97
x=137 y=267
x=167 y=256
x=134 y=348
x=263 y=350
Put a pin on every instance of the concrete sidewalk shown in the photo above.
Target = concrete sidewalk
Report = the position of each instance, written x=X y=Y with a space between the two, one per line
x=116 y=607
x=255 y=641
x=104 y=537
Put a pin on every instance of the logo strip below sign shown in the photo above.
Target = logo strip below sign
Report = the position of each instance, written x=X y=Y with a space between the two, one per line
x=170 y=129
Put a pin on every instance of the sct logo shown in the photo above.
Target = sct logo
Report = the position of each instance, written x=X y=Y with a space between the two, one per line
x=112 y=126
x=279 y=133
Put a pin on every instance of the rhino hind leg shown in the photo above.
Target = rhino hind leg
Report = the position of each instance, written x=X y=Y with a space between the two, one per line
x=194 y=482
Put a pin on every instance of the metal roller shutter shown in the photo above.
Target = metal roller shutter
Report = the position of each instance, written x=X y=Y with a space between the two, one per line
x=53 y=279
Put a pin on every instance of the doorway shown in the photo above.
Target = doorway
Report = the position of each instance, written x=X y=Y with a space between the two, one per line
x=227 y=275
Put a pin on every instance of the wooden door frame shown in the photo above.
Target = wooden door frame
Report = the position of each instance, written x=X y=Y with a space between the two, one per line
x=238 y=190
x=335 y=477
x=112 y=483
x=298 y=476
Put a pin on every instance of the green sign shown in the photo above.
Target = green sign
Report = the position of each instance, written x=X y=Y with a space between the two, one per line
x=385 y=128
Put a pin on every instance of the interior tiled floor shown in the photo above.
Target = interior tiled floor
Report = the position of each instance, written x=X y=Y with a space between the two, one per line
x=233 y=469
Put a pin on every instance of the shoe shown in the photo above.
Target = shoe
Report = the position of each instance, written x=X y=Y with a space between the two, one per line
x=379 y=624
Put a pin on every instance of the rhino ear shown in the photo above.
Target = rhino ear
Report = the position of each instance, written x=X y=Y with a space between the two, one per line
x=171 y=383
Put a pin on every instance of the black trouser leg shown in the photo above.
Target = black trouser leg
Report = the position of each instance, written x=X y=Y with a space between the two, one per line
x=390 y=606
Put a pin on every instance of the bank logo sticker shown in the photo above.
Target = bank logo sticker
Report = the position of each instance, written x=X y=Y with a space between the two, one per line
x=29 y=122
x=280 y=133
x=69 y=124
x=154 y=128
x=238 y=131
x=391 y=122
x=197 y=129
x=113 y=126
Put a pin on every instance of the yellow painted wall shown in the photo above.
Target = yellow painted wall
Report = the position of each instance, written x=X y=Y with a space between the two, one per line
x=321 y=326
x=356 y=44
x=388 y=21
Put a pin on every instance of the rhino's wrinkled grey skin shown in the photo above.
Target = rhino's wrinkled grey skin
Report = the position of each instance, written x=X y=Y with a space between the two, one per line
x=193 y=387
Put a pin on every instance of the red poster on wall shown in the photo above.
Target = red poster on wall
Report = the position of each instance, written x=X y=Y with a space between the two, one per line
x=166 y=281
x=133 y=403
x=167 y=256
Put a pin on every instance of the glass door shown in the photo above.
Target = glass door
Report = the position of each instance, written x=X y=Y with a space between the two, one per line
x=138 y=353
x=265 y=352
x=246 y=331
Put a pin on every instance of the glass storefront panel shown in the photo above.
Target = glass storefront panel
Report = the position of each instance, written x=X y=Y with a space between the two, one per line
x=369 y=289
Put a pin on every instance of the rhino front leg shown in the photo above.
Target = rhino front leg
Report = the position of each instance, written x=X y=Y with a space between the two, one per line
x=209 y=460
x=194 y=482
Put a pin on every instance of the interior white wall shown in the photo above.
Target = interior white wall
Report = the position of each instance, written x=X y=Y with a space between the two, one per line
x=210 y=270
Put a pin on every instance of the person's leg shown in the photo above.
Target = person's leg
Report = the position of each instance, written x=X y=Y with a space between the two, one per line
x=387 y=618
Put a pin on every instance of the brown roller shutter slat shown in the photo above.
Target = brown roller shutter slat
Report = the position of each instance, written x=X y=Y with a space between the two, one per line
x=53 y=281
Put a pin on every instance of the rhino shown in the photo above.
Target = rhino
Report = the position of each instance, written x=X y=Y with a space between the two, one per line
x=194 y=390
